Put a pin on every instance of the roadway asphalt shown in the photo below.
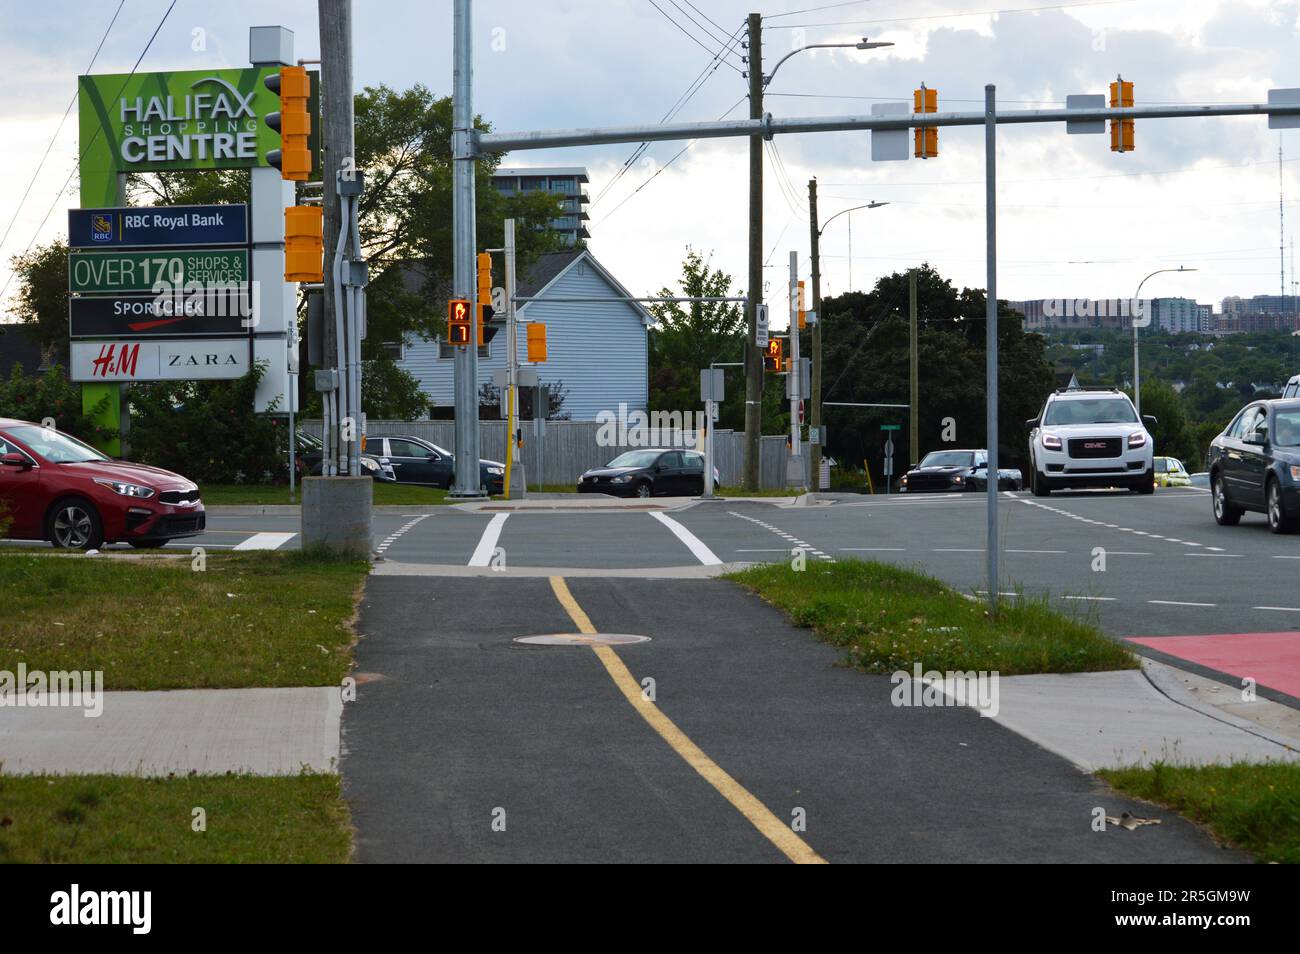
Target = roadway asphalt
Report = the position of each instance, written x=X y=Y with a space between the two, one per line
x=456 y=726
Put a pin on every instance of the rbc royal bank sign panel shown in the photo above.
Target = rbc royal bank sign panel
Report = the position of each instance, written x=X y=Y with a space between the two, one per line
x=159 y=360
x=175 y=226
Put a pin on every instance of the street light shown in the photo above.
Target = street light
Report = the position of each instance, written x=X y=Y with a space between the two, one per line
x=1137 y=389
x=816 y=396
x=863 y=44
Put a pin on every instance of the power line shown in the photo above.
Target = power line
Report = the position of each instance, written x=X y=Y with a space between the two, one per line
x=691 y=36
x=675 y=157
x=72 y=102
x=709 y=69
x=828 y=6
x=707 y=31
x=86 y=149
x=952 y=16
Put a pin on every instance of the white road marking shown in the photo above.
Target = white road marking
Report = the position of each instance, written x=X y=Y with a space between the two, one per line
x=1126 y=553
x=871 y=549
x=693 y=543
x=1234 y=555
x=389 y=540
x=1279 y=609
x=1107 y=599
x=488 y=542
x=265 y=541
x=781 y=533
x=1179 y=603
x=1036 y=551
x=1286 y=557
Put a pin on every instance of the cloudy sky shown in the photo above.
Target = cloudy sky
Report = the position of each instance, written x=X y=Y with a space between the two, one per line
x=1075 y=219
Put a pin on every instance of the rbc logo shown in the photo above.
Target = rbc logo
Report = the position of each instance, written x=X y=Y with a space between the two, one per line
x=101 y=228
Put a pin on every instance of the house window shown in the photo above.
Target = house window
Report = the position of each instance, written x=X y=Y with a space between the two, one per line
x=447 y=351
x=394 y=349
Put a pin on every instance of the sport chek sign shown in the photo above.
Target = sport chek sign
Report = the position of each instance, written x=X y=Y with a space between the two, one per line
x=193 y=119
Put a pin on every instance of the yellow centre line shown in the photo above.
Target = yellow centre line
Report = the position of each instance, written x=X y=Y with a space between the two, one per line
x=758 y=815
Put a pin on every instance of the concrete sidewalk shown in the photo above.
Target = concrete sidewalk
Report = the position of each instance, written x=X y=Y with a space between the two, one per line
x=208 y=731
x=1135 y=717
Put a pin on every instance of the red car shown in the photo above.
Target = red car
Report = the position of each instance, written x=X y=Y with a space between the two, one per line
x=53 y=487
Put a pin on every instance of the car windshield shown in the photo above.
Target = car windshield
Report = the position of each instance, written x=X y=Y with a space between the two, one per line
x=1161 y=465
x=634 y=459
x=55 y=447
x=1102 y=410
x=1286 y=430
x=948 y=459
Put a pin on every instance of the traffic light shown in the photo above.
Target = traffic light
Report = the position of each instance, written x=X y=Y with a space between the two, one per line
x=1121 y=130
x=458 y=323
x=484 y=333
x=774 y=356
x=803 y=313
x=292 y=122
x=536 y=342
x=926 y=137
x=304 y=245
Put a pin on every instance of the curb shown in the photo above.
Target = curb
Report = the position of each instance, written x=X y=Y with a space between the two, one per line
x=1162 y=679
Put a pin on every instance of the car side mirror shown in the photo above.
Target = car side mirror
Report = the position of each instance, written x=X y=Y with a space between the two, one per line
x=1031 y=423
x=16 y=460
x=1149 y=420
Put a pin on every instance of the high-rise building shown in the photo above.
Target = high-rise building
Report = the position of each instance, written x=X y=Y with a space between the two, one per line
x=566 y=183
x=1175 y=315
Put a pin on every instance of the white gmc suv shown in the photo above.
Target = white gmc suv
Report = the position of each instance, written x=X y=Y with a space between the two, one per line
x=1090 y=438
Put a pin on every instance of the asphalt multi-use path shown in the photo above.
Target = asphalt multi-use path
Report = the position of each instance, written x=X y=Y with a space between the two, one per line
x=464 y=745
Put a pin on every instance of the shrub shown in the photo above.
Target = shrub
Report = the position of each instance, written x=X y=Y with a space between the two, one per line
x=31 y=397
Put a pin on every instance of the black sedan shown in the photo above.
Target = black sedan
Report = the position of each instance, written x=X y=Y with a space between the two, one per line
x=417 y=461
x=1255 y=465
x=956 y=470
x=646 y=473
x=311 y=452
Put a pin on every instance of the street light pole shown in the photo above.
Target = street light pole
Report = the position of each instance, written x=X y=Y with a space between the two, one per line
x=816 y=397
x=1133 y=306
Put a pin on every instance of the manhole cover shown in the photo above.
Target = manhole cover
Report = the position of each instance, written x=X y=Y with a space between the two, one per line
x=582 y=639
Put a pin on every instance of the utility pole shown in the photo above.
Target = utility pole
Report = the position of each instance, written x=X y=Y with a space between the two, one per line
x=338 y=148
x=914 y=428
x=464 y=284
x=754 y=360
x=794 y=382
x=815 y=412
x=991 y=340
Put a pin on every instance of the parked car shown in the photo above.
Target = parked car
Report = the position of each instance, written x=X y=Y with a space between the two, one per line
x=1255 y=465
x=311 y=454
x=53 y=487
x=953 y=470
x=1090 y=437
x=1170 y=472
x=1200 y=479
x=649 y=472
x=1292 y=388
x=417 y=461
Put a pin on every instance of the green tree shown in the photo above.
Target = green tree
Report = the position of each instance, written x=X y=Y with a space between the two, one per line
x=42 y=299
x=1172 y=433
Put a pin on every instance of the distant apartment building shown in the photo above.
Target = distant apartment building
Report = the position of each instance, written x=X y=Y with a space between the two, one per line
x=566 y=183
x=1067 y=314
x=1235 y=306
x=1175 y=315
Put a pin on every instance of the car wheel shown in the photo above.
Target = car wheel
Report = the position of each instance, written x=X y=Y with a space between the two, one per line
x=1147 y=485
x=74 y=524
x=1038 y=484
x=643 y=489
x=1278 y=521
x=1225 y=515
x=153 y=543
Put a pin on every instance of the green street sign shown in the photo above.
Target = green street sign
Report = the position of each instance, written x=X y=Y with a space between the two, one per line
x=126 y=271
x=190 y=119
x=891 y=427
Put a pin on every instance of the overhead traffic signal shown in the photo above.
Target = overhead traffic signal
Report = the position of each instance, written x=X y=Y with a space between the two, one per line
x=459 y=321
x=304 y=245
x=1121 y=130
x=803 y=313
x=484 y=333
x=536 y=342
x=292 y=122
x=926 y=137
x=774 y=356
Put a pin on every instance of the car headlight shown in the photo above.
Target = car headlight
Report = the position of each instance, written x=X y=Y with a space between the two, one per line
x=621 y=479
x=369 y=464
x=1051 y=441
x=495 y=471
x=958 y=479
x=1137 y=439
x=903 y=479
x=1295 y=473
x=123 y=488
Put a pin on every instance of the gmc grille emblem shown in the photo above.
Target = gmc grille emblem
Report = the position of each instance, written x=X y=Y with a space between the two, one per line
x=1094 y=445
